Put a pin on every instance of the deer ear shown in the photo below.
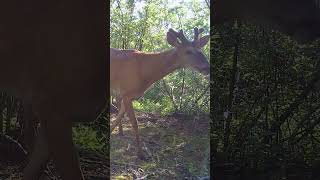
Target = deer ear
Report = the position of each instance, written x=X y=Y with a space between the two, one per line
x=203 y=41
x=172 y=39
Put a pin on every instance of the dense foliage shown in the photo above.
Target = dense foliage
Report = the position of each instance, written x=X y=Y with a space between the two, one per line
x=265 y=102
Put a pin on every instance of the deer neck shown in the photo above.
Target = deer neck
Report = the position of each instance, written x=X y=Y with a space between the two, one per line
x=159 y=65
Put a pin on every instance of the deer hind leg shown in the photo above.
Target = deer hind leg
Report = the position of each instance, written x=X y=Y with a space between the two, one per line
x=39 y=157
x=57 y=138
x=61 y=147
x=133 y=120
x=119 y=118
x=29 y=128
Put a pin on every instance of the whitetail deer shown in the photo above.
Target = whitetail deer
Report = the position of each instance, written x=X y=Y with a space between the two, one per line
x=133 y=72
x=53 y=56
x=297 y=18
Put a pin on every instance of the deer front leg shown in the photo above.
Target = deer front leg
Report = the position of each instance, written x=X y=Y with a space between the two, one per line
x=133 y=120
x=120 y=104
x=39 y=157
x=119 y=118
x=120 y=127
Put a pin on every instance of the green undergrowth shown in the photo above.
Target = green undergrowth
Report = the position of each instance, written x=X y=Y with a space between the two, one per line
x=163 y=106
x=88 y=138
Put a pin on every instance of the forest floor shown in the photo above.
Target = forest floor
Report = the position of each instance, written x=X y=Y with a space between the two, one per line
x=174 y=147
x=95 y=166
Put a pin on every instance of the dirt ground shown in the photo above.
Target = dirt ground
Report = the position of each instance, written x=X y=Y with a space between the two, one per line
x=174 y=147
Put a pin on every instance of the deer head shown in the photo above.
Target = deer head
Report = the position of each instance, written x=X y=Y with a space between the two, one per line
x=189 y=53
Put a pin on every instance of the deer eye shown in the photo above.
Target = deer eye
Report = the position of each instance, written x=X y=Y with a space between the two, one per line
x=189 y=52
